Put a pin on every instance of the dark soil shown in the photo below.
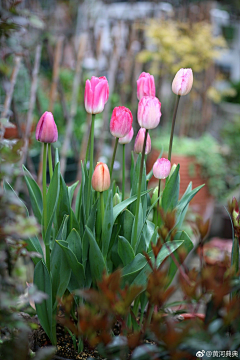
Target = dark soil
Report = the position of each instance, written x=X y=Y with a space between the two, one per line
x=65 y=347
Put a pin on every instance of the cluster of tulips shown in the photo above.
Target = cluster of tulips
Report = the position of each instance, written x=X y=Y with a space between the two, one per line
x=106 y=231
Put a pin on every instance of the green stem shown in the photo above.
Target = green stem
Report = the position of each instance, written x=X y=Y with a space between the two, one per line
x=50 y=165
x=158 y=204
x=91 y=163
x=123 y=173
x=88 y=145
x=113 y=158
x=44 y=190
x=173 y=126
x=102 y=207
x=134 y=243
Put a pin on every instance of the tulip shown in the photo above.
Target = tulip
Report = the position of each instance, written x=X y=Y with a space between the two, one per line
x=101 y=177
x=126 y=139
x=149 y=112
x=145 y=85
x=46 y=130
x=138 y=146
x=182 y=82
x=121 y=121
x=161 y=168
x=96 y=94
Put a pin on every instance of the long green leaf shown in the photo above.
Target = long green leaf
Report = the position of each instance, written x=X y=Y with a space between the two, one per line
x=171 y=191
x=107 y=225
x=60 y=273
x=75 y=244
x=78 y=278
x=35 y=195
x=125 y=250
x=52 y=200
x=120 y=207
x=130 y=271
x=8 y=187
x=97 y=263
x=33 y=244
x=71 y=190
x=44 y=309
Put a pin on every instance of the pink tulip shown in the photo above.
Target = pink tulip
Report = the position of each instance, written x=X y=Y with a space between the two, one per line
x=138 y=146
x=161 y=168
x=145 y=85
x=101 y=177
x=126 y=139
x=96 y=94
x=46 y=130
x=182 y=82
x=149 y=112
x=121 y=121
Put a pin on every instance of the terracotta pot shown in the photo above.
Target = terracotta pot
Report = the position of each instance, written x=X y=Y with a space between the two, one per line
x=202 y=202
x=13 y=133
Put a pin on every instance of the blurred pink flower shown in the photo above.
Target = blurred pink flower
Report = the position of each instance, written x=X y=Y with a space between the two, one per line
x=121 y=121
x=138 y=146
x=96 y=94
x=149 y=112
x=161 y=168
x=46 y=130
x=126 y=139
x=145 y=85
x=182 y=82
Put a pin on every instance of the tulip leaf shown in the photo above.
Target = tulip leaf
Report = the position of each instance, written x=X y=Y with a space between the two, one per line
x=107 y=225
x=85 y=240
x=126 y=220
x=60 y=272
x=8 y=187
x=62 y=232
x=35 y=195
x=52 y=200
x=171 y=191
x=141 y=278
x=130 y=271
x=43 y=282
x=139 y=228
x=63 y=205
x=125 y=250
x=75 y=244
x=78 y=277
x=71 y=190
x=97 y=263
x=185 y=249
x=33 y=244
x=120 y=207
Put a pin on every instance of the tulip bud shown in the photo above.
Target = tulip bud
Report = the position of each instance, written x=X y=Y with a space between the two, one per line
x=161 y=168
x=116 y=199
x=145 y=85
x=96 y=94
x=236 y=218
x=138 y=146
x=46 y=130
x=126 y=139
x=101 y=177
x=121 y=121
x=149 y=112
x=182 y=82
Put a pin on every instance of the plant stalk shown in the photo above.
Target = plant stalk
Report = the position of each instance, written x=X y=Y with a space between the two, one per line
x=113 y=157
x=44 y=192
x=173 y=126
x=134 y=243
x=102 y=207
x=123 y=173
x=50 y=165
x=91 y=163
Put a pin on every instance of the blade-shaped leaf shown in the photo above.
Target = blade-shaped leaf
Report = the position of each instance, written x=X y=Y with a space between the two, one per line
x=75 y=244
x=107 y=225
x=8 y=187
x=44 y=309
x=171 y=191
x=125 y=250
x=130 y=271
x=35 y=195
x=33 y=244
x=71 y=190
x=97 y=263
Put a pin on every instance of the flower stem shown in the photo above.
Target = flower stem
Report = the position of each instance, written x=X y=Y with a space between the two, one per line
x=91 y=163
x=123 y=173
x=134 y=243
x=102 y=207
x=44 y=192
x=158 y=204
x=172 y=130
x=113 y=157
x=50 y=165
